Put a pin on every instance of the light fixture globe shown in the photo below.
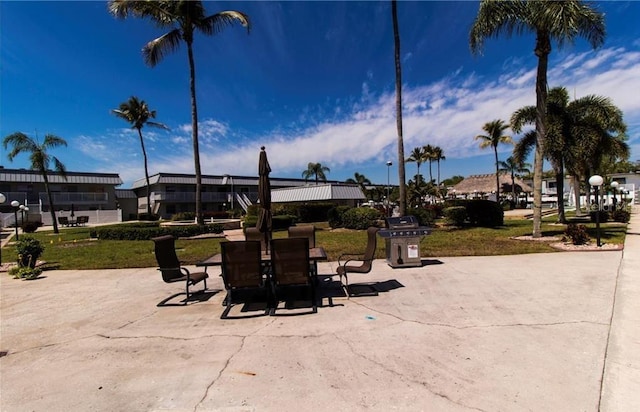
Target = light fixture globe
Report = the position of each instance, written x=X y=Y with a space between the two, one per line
x=3 y=198
x=614 y=185
x=596 y=180
x=15 y=203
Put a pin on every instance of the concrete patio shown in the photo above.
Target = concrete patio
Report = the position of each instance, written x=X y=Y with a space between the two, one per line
x=541 y=332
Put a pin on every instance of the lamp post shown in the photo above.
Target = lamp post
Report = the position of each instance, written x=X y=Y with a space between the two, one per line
x=614 y=187
x=389 y=164
x=225 y=179
x=596 y=182
x=16 y=206
x=3 y=199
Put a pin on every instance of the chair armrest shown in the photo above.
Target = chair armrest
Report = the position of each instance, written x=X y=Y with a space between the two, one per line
x=351 y=257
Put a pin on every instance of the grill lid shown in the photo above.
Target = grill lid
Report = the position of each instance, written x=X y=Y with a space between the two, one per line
x=402 y=222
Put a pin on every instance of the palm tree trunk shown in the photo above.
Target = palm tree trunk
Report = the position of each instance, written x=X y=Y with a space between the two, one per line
x=513 y=188
x=194 y=127
x=52 y=209
x=146 y=172
x=576 y=194
x=430 y=171
x=542 y=50
x=438 y=172
x=560 y=193
x=401 y=172
x=495 y=151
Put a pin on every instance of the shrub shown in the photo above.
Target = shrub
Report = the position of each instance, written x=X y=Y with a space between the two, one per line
x=183 y=216
x=621 y=215
x=604 y=216
x=485 y=213
x=425 y=216
x=148 y=217
x=455 y=215
x=132 y=232
x=24 y=272
x=29 y=250
x=577 y=234
x=30 y=227
x=335 y=216
x=360 y=218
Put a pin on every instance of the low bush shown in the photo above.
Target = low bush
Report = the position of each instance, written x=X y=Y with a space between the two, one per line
x=455 y=215
x=279 y=222
x=360 y=218
x=604 y=216
x=131 y=232
x=29 y=251
x=24 y=272
x=183 y=216
x=577 y=234
x=148 y=217
x=483 y=213
x=30 y=227
x=335 y=216
x=620 y=215
x=425 y=216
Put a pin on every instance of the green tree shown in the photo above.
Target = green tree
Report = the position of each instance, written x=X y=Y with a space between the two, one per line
x=137 y=113
x=514 y=167
x=316 y=170
x=438 y=155
x=559 y=21
x=402 y=183
x=492 y=139
x=429 y=156
x=185 y=18
x=417 y=155
x=360 y=180
x=40 y=160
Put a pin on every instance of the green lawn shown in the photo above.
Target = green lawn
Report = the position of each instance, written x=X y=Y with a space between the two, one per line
x=72 y=248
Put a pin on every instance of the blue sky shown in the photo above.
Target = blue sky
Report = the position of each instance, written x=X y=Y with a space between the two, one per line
x=313 y=82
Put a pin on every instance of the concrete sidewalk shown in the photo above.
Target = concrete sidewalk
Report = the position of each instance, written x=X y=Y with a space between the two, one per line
x=542 y=332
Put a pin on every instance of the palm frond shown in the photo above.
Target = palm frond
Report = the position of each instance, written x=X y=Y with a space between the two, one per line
x=156 y=49
x=215 y=23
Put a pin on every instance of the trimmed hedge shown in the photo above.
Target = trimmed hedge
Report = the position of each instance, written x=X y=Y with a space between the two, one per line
x=149 y=231
x=360 y=218
x=480 y=212
x=279 y=222
x=335 y=216
x=455 y=215
x=620 y=215
x=426 y=216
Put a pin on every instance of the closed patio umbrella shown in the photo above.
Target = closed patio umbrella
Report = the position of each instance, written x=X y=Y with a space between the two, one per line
x=72 y=210
x=264 y=223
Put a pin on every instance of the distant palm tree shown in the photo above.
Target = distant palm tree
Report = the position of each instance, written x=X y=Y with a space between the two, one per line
x=185 y=17
x=514 y=167
x=492 y=139
x=317 y=170
x=438 y=155
x=360 y=180
x=417 y=155
x=40 y=160
x=402 y=183
x=561 y=21
x=137 y=113
x=429 y=156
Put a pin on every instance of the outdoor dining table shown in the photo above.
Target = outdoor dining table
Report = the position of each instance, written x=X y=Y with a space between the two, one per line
x=315 y=254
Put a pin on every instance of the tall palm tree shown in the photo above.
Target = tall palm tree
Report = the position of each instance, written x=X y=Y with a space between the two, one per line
x=514 y=167
x=317 y=170
x=577 y=131
x=417 y=155
x=40 y=160
x=492 y=139
x=185 y=17
x=137 y=113
x=360 y=180
x=429 y=156
x=438 y=155
x=559 y=21
x=402 y=183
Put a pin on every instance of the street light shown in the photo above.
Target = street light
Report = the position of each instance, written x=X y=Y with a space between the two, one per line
x=3 y=199
x=614 y=187
x=16 y=206
x=389 y=164
x=596 y=182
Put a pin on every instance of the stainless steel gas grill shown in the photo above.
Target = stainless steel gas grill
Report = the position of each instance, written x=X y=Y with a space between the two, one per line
x=402 y=241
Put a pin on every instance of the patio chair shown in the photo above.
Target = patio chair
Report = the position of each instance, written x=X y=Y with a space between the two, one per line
x=309 y=232
x=290 y=270
x=243 y=275
x=63 y=221
x=172 y=272
x=346 y=263
x=82 y=220
x=252 y=233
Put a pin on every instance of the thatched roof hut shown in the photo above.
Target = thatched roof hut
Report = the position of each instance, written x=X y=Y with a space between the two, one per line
x=487 y=184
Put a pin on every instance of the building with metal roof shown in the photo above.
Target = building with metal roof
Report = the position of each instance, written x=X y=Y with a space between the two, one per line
x=331 y=192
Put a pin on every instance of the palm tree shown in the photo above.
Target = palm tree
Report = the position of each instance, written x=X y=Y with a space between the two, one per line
x=438 y=155
x=576 y=131
x=185 y=18
x=561 y=21
x=492 y=139
x=417 y=155
x=360 y=180
x=317 y=170
x=402 y=185
x=40 y=160
x=429 y=156
x=137 y=113
x=513 y=166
